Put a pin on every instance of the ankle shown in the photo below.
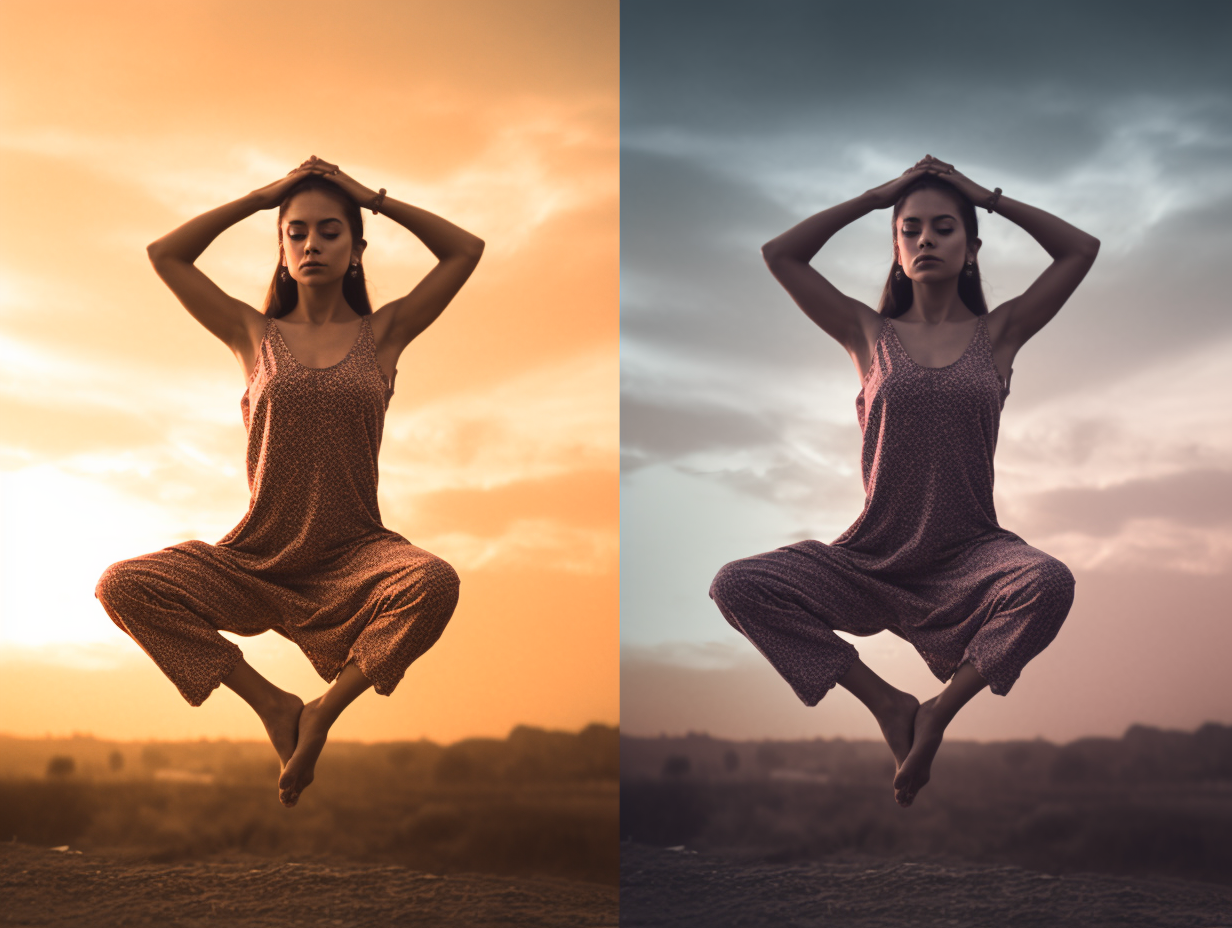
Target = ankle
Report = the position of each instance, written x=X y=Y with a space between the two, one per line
x=887 y=701
x=271 y=700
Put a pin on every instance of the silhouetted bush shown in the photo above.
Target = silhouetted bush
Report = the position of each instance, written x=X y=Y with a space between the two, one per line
x=60 y=767
x=676 y=765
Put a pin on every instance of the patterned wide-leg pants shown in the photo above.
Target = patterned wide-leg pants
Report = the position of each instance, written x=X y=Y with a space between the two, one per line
x=381 y=605
x=997 y=605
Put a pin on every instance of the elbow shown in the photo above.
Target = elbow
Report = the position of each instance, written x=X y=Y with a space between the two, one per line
x=475 y=248
x=1089 y=248
x=771 y=252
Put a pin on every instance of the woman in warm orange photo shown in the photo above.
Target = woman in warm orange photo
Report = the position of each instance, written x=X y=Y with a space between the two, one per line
x=926 y=559
x=311 y=559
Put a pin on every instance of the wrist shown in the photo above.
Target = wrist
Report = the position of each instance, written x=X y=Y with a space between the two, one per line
x=870 y=201
x=255 y=201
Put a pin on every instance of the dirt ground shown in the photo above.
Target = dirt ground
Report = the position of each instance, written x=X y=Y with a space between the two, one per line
x=661 y=888
x=42 y=887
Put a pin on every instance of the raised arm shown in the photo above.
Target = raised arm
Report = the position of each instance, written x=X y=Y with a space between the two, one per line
x=853 y=324
x=1072 y=251
x=233 y=321
x=457 y=252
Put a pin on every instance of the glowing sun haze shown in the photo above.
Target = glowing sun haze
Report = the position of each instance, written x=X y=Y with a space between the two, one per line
x=121 y=426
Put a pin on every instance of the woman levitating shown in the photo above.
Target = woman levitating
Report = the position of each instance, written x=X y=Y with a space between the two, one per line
x=311 y=559
x=926 y=559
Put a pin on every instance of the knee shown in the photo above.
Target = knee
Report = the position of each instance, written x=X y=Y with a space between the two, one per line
x=725 y=583
x=442 y=584
x=1049 y=590
x=1054 y=581
x=117 y=583
x=735 y=585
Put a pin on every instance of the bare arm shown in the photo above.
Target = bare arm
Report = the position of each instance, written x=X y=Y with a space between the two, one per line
x=853 y=324
x=233 y=321
x=1072 y=251
x=457 y=252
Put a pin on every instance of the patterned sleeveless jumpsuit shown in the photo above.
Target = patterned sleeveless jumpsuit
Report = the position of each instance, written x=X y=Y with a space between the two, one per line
x=926 y=559
x=311 y=559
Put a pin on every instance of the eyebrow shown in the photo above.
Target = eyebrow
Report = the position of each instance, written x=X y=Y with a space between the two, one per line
x=302 y=222
x=918 y=219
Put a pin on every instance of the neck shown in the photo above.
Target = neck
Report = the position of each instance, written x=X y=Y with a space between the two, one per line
x=934 y=303
x=319 y=305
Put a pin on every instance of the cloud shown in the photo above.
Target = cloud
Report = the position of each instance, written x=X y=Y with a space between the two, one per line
x=656 y=432
x=550 y=421
x=510 y=185
x=1199 y=498
x=759 y=70
x=533 y=543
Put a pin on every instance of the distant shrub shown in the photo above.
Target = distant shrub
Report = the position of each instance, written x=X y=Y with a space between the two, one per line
x=115 y=761
x=60 y=767
x=677 y=765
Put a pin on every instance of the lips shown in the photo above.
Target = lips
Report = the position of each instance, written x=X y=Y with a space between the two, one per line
x=924 y=259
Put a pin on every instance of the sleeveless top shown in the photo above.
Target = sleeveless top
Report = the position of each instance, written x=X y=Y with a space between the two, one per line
x=313 y=439
x=927 y=461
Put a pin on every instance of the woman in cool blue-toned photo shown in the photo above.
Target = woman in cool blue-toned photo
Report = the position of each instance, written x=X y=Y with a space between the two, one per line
x=926 y=559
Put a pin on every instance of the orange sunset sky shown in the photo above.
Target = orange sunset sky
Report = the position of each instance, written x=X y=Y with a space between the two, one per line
x=121 y=429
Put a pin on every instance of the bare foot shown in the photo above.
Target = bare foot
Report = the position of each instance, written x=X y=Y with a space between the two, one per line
x=297 y=773
x=914 y=771
x=281 y=720
x=897 y=723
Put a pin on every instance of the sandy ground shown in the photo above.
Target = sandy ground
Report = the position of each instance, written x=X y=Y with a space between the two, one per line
x=49 y=888
x=681 y=888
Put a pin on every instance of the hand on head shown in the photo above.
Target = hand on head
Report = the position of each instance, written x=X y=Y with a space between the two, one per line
x=315 y=165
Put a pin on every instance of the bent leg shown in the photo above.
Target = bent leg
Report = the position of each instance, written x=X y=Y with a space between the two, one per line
x=314 y=724
x=931 y=721
x=409 y=610
x=788 y=603
x=1032 y=600
x=172 y=603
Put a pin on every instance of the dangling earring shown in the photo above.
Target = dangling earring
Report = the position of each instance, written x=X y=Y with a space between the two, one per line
x=970 y=271
x=354 y=270
x=898 y=272
x=282 y=274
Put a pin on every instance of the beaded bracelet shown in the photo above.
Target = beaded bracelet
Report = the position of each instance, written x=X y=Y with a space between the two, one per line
x=380 y=198
x=992 y=200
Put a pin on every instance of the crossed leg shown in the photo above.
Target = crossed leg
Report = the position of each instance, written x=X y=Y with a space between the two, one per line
x=297 y=730
x=278 y=710
x=912 y=729
x=313 y=728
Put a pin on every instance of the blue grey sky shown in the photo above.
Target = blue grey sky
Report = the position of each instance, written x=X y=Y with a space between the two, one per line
x=738 y=422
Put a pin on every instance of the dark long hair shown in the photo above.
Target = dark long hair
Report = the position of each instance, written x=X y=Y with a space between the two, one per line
x=282 y=295
x=897 y=295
